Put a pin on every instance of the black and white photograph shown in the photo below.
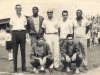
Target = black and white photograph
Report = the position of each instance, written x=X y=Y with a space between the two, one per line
x=49 y=37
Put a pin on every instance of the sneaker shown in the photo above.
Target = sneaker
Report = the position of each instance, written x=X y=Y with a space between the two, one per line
x=77 y=71
x=34 y=70
x=68 y=70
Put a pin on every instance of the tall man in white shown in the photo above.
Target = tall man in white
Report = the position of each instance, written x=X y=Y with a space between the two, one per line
x=80 y=24
x=18 y=23
x=65 y=27
x=51 y=27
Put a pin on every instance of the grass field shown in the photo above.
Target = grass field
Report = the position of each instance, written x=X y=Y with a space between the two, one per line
x=7 y=66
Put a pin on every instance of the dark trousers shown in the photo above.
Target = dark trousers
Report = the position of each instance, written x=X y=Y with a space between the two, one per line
x=36 y=63
x=78 y=61
x=19 y=37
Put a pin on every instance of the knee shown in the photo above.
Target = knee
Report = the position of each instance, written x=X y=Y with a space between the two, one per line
x=32 y=61
x=80 y=57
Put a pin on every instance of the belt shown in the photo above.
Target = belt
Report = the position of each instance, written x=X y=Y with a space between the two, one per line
x=51 y=33
x=79 y=37
x=19 y=30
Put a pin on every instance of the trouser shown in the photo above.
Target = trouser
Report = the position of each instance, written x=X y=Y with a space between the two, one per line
x=53 y=41
x=36 y=63
x=33 y=38
x=19 y=37
x=83 y=46
x=66 y=63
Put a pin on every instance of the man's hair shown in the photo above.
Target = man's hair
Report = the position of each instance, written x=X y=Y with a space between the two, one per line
x=36 y=8
x=64 y=11
x=38 y=37
x=17 y=5
x=79 y=10
x=69 y=35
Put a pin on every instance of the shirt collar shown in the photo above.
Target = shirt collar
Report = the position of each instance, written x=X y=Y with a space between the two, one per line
x=20 y=16
x=53 y=19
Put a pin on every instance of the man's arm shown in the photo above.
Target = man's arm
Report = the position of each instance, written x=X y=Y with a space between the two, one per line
x=32 y=55
x=49 y=51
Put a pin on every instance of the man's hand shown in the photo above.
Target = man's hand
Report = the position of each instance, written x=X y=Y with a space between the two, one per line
x=41 y=61
x=48 y=56
x=68 y=59
x=74 y=57
x=44 y=60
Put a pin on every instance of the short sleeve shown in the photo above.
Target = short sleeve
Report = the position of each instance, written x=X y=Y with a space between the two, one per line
x=43 y=24
x=25 y=21
x=11 y=21
x=87 y=23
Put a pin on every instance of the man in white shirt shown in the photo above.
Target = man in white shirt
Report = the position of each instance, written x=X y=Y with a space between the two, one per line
x=51 y=27
x=65 y=27
x=80 y=24
x=18 y=23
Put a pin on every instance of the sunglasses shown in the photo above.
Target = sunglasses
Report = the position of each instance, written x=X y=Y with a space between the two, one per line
x=49 y=12
x=69 y=39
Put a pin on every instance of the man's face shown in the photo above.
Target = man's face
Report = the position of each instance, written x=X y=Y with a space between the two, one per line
x=79 y=13
x=50 y=13
x=65 y=15
x=70 y=40
x=35 y=10
x=18 y=9
x=40 y=41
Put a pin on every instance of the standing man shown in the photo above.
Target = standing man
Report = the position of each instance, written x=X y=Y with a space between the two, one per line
x=34 y=25
x=65 y=26
x=51 y=27
x=18 y=22
x=80 y=24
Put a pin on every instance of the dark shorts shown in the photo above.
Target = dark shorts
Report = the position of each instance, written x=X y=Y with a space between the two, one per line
x=8 y=45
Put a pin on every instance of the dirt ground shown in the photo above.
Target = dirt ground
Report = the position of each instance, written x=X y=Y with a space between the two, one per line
x=7 y=66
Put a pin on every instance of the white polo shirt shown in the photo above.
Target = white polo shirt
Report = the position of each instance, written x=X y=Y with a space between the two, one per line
x=18 y=22
x=65 y=28
x=50 y=25
x=80 y=30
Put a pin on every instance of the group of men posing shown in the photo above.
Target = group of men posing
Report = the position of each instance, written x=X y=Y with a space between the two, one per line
x=49 y=38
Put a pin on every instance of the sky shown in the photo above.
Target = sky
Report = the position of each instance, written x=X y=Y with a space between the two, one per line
x=89 y=7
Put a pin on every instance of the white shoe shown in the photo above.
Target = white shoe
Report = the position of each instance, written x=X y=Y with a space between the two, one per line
x=77 y=71
x=10 y=57
x=42 y=68
x=68 y=70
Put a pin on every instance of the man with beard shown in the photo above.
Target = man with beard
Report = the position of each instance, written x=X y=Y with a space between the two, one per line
x=40 y=55
x=80 y=24
x=34 y=24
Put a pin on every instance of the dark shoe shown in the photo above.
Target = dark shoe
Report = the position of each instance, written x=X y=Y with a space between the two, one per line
x=24 y=69
x=63 y=70
x=51 y=69
x=86 y=68
x=57 y=69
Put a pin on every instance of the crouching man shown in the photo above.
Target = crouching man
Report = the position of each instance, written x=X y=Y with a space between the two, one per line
x=41 y=56
x=70 y=53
